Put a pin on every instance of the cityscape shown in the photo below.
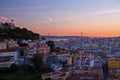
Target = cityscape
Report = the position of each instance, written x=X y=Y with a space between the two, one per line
x=60 y=40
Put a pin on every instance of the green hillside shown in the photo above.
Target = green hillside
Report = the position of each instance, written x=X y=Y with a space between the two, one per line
x=7 y=31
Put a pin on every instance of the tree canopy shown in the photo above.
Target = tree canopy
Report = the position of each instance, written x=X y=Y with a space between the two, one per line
x=7 y=32
x=51 y=45
x=37 y=61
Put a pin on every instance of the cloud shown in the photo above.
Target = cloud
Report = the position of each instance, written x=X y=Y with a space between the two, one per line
x=4 y=18
x=106 y=12
x=83 y=16
x=50 y=19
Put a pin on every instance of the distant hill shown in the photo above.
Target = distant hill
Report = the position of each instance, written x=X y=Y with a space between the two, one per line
x=9 y=30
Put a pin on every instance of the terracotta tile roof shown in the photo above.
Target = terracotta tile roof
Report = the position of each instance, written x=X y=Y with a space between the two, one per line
x=51 y=74
x=62 y=75
x=6 y=50
x=64 y=70
x=96 y=68
x=86 y=75
x=60 y=53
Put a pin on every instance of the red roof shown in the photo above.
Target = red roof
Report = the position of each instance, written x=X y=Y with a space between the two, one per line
x=6 y=50
x=64 y=70
x=96 y=68
x=60 y=53
x=86 y=75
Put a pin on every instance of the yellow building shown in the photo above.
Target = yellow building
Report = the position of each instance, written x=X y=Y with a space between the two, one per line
x=113 y=63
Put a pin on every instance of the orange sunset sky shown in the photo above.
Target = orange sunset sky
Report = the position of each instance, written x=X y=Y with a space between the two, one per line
x=94 y=18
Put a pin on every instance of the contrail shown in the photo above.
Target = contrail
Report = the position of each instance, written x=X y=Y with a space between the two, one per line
x=83 y=16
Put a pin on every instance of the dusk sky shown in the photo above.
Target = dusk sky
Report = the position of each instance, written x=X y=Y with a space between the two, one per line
x=99 y=18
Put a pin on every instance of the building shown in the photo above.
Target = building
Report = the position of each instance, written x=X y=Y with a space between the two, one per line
x=96 y=70
x=86 y=76
x=42 y=49
x=53 y=62
x=8 y=57
x=93 y=70
x=7 y=25
x=11 y=44
x=88 y=45
x=114 y=68
x=3 y=45
x=97 y=62
x=84 y=60
x=62 y=56
x=31 y=43
x=113 y=63
x=30 y=52
x=60 y=75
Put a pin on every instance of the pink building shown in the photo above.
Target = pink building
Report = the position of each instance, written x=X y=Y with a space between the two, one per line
x=42 y=49
x=3 y=46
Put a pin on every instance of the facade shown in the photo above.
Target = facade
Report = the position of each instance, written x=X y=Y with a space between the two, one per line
x=86 y=76
x=114 y=68
x=10 y=25
x=85 y=60
x=96 y=70
x=30 y=52
x=31 y=43
x=57 y=59
x=42 y=49
x=3 y=46
x=98 y=63
x=113 y=63
x=93 y=70
x=8 y=57
x=11 y=44
x=62 y=56
x=89 y=45
x=60 y=75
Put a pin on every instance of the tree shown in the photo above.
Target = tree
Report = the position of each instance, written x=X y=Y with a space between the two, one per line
x=13 y=66
x=37 y=61
x=57 y=49
x=51 y=45
x=7 y=32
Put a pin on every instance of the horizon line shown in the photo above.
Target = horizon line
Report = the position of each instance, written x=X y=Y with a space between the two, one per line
x=78 y=36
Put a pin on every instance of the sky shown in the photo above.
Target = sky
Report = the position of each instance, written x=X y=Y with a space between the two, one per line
x=95 y=18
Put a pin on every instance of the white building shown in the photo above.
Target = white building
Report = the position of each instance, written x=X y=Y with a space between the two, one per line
x=85 y=60
x=8 y=57
x=30 y=52
x=11 y=44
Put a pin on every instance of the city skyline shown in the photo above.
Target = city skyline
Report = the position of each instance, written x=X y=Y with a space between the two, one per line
x=64 y=17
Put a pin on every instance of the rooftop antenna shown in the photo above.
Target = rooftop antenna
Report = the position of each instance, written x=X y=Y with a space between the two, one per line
x=81 y=40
